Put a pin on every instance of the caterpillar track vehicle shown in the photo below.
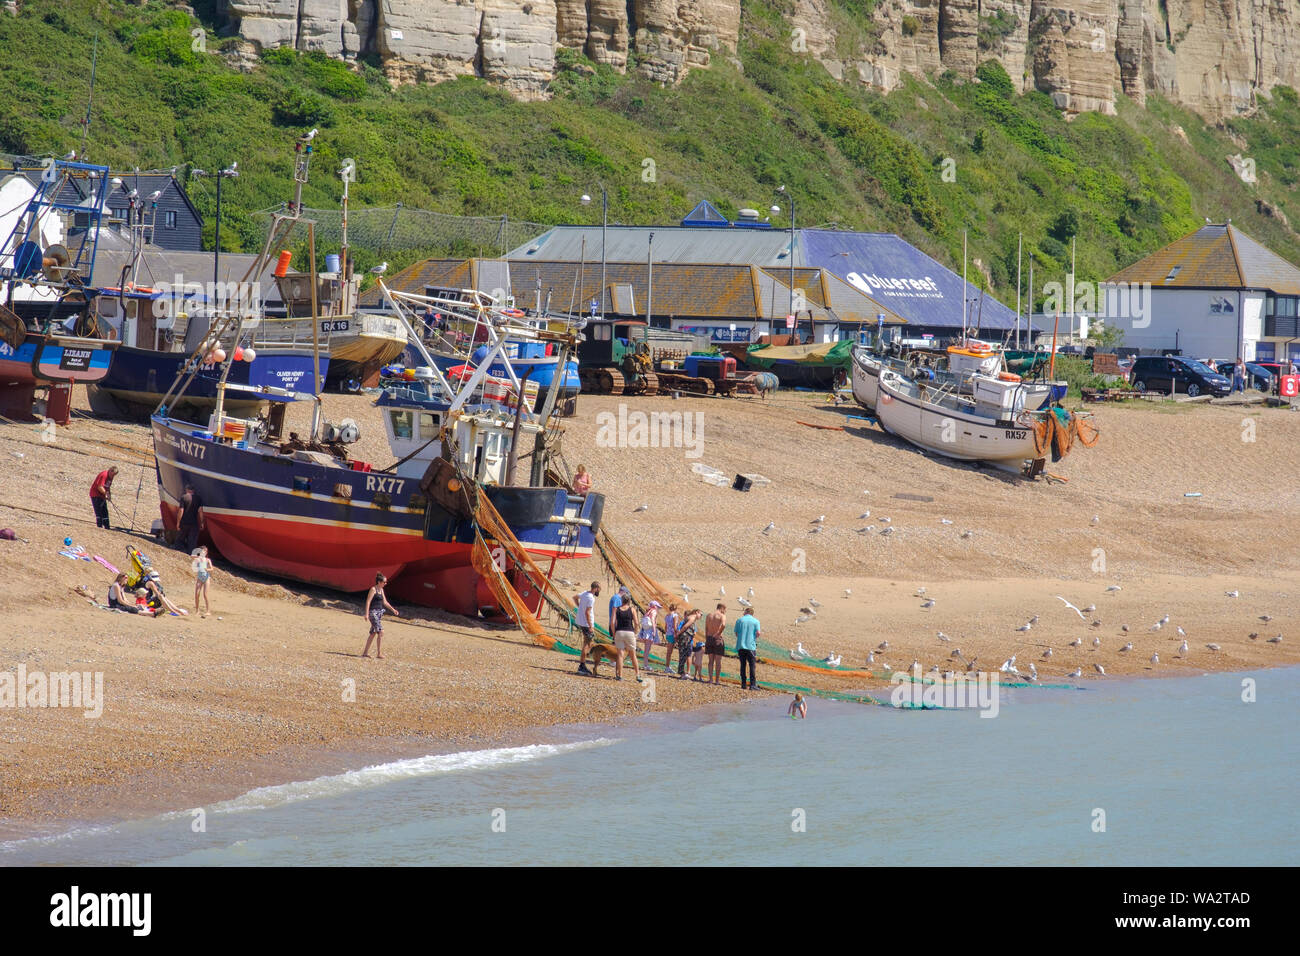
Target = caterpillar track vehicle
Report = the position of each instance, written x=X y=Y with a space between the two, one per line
x=614 y=359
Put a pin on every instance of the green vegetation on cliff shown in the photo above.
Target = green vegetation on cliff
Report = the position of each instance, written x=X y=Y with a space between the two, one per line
x=926 y=161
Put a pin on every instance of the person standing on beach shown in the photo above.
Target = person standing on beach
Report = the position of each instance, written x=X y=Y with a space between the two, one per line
x=648 y=635
x=686 y=641
x=375 y=615
x=621 y=596
x=747 y=631
x=188 y=525
x=625 y=639
x=202 y=572
x=671 y=623
x=587 y=622
x=714 y=644
x=101 y=493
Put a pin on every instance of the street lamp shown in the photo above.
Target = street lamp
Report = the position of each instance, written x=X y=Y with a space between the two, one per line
x=776 y=209
x=230 y=172
x=604 y=227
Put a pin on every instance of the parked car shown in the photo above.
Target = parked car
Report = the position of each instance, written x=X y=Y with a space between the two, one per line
x=1257 y=376
x=1173 y=373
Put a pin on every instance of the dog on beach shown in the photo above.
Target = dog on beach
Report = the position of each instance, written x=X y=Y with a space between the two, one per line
x=598 y=653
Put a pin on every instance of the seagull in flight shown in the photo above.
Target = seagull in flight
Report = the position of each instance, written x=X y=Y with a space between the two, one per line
x=1071 y=607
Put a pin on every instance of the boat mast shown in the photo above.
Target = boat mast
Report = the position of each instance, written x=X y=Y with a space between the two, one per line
x=1020 y=243
x=965 y=289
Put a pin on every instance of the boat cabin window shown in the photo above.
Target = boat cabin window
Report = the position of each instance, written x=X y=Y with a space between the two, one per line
x=429 y=425
x=401 y=423
x=601 y=333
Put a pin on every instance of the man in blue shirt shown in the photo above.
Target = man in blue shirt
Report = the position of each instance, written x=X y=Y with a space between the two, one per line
x=747 y=632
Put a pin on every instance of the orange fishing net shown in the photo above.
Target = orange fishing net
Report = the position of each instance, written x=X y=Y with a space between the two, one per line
x=1087 y=431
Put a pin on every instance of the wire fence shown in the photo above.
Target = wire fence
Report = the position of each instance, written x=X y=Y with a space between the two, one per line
x=394 y=230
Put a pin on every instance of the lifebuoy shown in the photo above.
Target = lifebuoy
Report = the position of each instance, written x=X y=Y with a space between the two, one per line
x=1008 y=377
x=513 y=313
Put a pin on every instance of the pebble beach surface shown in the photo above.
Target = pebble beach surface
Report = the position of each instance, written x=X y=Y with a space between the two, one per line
x=271 y=687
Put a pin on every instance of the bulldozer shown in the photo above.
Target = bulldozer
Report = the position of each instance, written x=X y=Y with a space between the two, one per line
x=614 y=359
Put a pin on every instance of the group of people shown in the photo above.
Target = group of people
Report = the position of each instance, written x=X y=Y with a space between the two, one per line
x=633 y=632
x=150 y=599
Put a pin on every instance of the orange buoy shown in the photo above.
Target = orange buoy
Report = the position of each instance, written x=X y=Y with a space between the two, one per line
x=282 y=267
x=1008 y=377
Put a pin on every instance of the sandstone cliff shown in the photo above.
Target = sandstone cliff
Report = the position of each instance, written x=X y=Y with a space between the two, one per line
x=1214 y=56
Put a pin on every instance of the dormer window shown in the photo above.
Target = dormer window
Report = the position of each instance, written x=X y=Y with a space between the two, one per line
x=1173 y=273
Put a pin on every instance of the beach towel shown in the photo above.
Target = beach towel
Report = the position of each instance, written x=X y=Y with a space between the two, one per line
x=77 y=553
x=106 y=565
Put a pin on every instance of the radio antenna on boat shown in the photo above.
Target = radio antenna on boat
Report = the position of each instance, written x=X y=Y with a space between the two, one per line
x=90 y=98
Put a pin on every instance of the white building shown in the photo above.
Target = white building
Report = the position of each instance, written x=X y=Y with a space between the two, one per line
x=1216 y=293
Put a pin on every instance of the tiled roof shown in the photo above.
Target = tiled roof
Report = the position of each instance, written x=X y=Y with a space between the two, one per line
x=1214 y=257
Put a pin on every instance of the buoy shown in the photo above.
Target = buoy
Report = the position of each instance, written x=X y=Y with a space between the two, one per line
x=239 y=353
x=218 y=355
x=282 y=266
x=250 y=354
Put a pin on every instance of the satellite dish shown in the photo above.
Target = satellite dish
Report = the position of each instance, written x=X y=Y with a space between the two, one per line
x=55 y=263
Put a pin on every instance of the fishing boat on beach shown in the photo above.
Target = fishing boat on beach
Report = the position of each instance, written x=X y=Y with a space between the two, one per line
x=302 y=508
x=46 y=338
x=996 y=422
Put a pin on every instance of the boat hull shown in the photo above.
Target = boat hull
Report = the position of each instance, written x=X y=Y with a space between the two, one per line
x=337 y=527
x=951 y=432
x=865 y=380
x=139 y=378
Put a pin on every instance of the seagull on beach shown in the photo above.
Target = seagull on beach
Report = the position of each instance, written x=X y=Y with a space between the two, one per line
x=1096 y=519
x=1095 y=623
x=686 y=588
x=868 y=528
x=919 y=592
x=1089 y=609
x=886 y=520
x=1155 y=658
x=813 y=602
x=750 y=594
x=1253 y=634
x=1182 y=649
x=1213 y=647
x=1096 y=642
x=1266 y=618
x=1233 y=593
x=798 y=651
x=1025 y=627
x=928 y=603
x=1033 y=671
x=1114 y=587
x=807 y=610
x=816 y=530
x=1099 y=669
x=743 y=603
x=888 y=531
x=847 y=592
x=944 y=521
x=770 y=526
x=967 y=534
x=943 y=637
x=1077 y=642
x=882 y=646
x=1034 y=619
x=1275 y=640
x=1126 y=647
x=1165 y=619
x=818 y=520
x=1157 y=625
x=956 y=653
x=722 y=591
x=1009 y=665
x=832 y=659
x=1046 y=654
x=1181 y=632
x=640 y=508
x=802 y=620
x=865 y=514
x=871 y=657
x=1077 y=672
x=1071 y=607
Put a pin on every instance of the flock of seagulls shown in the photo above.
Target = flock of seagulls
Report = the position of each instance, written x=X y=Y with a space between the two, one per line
x=819 y=523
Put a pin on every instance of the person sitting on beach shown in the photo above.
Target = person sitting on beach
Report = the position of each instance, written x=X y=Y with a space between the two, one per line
x=798 y=707
x=158 y=599
x=648 y=636
x=117 y=598
x=142 y=605
x=582 y=481
x=375 y=614
x=202 y=573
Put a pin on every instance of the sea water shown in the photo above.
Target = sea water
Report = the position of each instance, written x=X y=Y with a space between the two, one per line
x=1181 y=771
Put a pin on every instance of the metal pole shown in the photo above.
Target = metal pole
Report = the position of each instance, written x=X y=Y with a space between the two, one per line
x=1020 y=241
x=315 y=329
x=604 y=204
x=792 y=311
x=216 y=251
x=1029 y=311
x=965 y=290
x=650 y=280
